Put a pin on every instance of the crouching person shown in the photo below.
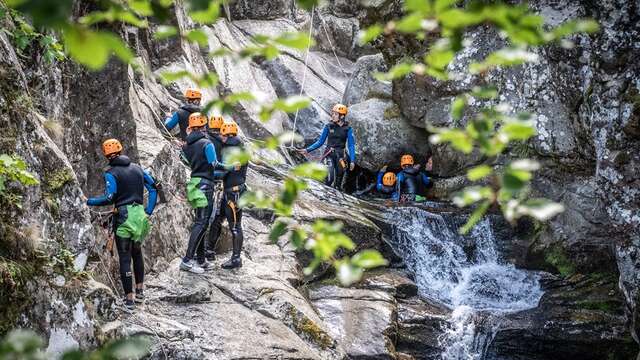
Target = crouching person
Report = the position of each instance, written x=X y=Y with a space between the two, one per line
x=124 y=187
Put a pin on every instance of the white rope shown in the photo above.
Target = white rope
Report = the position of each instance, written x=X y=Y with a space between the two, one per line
x=324 y=26
x=304 y=74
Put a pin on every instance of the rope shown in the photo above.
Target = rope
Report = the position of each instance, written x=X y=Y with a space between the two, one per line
x=324 y=26
x=304 y=74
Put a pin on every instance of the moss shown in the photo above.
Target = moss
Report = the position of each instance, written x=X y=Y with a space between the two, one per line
x=604 y=305
x=58 y=179
x=559 y=260
x=306 y=327
x=14 y=298
x=392 y=112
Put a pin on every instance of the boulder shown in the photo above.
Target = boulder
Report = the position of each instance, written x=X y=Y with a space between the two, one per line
x=263 y=10
x=362 y=85
x=383 y=135
x=361 y=320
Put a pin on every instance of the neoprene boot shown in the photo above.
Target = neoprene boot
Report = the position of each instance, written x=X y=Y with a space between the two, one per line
x=235 y=261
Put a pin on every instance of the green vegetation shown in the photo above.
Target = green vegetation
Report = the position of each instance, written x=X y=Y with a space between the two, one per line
x=25 y=38
x=307 y=328
x=606 y=306
x=559 y=260
x=13 y=169
x=55 y=181
x=392 y=112
x=14 y=296
x=25 y=344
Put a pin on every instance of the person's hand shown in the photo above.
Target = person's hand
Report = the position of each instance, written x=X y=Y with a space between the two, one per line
x=352 y=166
x=302 y=151
x=383 y=169
x=417 y=166
x=237 y=166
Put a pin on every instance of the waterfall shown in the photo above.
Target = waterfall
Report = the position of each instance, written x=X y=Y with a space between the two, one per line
x=466 y=273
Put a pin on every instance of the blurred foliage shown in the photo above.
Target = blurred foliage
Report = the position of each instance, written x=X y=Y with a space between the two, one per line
x=27 y=345
x=13 y=170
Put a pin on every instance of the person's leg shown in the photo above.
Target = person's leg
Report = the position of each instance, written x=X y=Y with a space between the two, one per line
x=340 y=170
x=200 y=249
x=198 y=231
x=215 y=228
x=234 y=218
x=124 y=257
x=138 y=264
x=331 y=170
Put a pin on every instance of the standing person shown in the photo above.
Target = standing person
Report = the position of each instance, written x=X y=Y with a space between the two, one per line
x=339 y=138
x=203 y=160
x=234 y=187
x=124 y=188
x=213 y=131
x=407 y=180
x=193 y=97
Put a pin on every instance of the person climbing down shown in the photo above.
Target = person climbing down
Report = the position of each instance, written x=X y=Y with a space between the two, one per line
x=124 y=188
x=338 y=135
x=181 y=116
x=234 y=187
x=203 y=160
x=213 y=131
x=386 y=183
x=409 y=180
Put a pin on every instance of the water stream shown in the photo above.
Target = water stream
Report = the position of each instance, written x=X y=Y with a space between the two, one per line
x=466 y=273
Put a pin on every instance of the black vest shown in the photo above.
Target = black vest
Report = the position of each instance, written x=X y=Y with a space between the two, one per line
x=129 y=181
x=235 y=177
x=337 y=138
x=217 y=144
x=194 y=151
x=183 y=118
x=411 y=181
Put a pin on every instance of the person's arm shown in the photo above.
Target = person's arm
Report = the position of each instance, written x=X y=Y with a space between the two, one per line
x=379 y=185
x=212 y=158
x=396 y=194
x=425 y=178
x=110 y=189
x=351 y=145
x=172 y=121
x=320 y=141
x=150 y=185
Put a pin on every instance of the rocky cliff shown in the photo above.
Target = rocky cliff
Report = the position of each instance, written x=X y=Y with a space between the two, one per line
x=587 y=107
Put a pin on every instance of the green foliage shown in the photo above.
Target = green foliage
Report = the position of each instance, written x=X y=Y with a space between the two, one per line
x=25 y=36
x=558 y=259
x=27 y=345
x=56 y=180
x=14 y=169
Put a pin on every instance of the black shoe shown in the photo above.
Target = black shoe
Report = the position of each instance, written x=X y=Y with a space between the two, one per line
x=139 y=299
x=129 y=305
x=210 y=255
x=205 y=265
x=234 y=262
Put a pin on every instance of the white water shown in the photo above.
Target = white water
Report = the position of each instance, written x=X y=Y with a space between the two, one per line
x=475 y=284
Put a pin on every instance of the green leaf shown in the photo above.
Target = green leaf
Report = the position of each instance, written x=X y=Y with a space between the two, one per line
x=419 y=6
x=278 y=229
x=410 y=23
x=439 y=58
x=457 y=107
x=298 y=237
x=472 y=194
x=311 y=170
x=232 y=155
x=204 y=11
x=525 y=165
x=129 y=348
x=475 y=216
x=576 y=26
x=514 y=181
x=347 y=272
x=295 y=40
x=370 y=34
x=504 y=57
x=165 y=31
x=484 y=92
x=368 y=259
x=292 y=103
x=255 y=198
x=479 y=172
x=93 y=48
x=458 y=18
x=397 y=71
x=197 y=36
x=541 y=209
x=307 y=4
x=518 y=130
x=459 y=139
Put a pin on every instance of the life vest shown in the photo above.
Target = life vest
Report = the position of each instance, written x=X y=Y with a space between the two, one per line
x=234 y=177
x=194 y=152
x=129 y=181
x=410 y=182
x=337 y=138
x=183 y=118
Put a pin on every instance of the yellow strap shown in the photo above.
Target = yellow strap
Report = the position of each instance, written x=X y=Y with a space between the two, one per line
x=232 y=205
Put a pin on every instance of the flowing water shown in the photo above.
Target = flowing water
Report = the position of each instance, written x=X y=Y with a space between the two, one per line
x=466 y=273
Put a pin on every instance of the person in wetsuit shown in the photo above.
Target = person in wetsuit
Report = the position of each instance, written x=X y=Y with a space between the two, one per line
x=181 y=116
x=203 y=160
x=340 y=151
x=213 y=131
x=124 y=188
x=234 y=187
x=409 y=180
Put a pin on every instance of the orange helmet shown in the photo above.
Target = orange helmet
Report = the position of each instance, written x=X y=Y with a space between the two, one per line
x=406 y=160
x=340 y=109
x=389 y=179
x=229 y=128
x=193 y=94
x=215 y=122
x=197 y=120
x=111 y=146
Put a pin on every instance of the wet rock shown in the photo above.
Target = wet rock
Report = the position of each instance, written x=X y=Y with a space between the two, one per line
x=420 y=323
x=383 y=135
x=362 y=85
x=361 y=320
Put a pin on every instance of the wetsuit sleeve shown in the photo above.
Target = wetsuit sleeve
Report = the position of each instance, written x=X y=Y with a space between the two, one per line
x=110 y=189
x=396 y=194
x=351 y=145
x=172 y=121
x=150 y=185
x=379 y=181
x=212 y=158
x=320 y=141
x=425 y=179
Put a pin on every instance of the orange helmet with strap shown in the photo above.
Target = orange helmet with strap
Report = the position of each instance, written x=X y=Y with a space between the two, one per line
x=197 y=120
x=193 y=94
x=215 y=122
x=110 y=147
x=389 y=179
x=340 y=109
x=406 y=160
x=229 y=128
